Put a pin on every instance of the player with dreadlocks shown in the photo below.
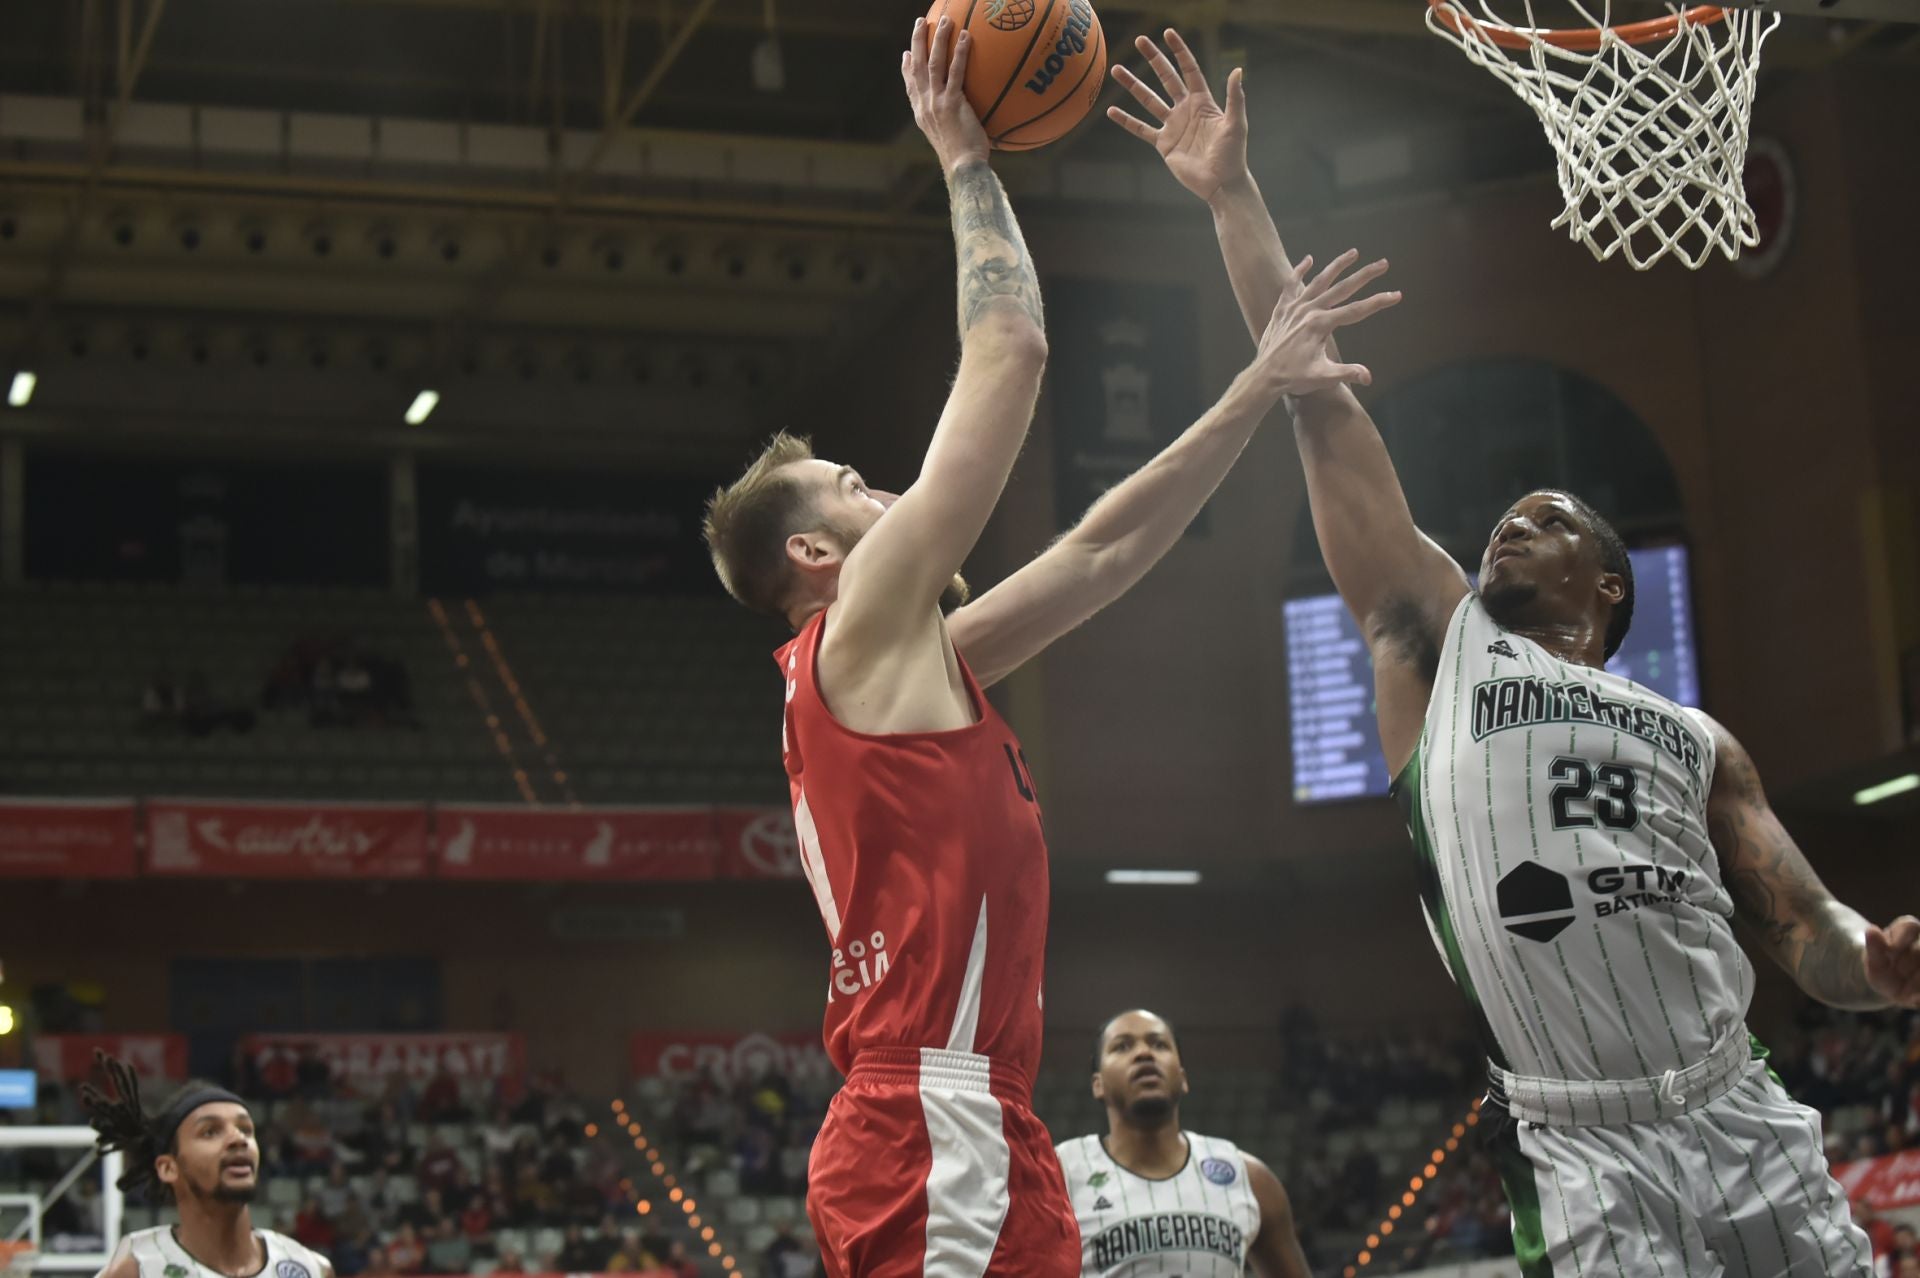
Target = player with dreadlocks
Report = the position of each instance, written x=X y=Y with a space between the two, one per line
x=199 y=1154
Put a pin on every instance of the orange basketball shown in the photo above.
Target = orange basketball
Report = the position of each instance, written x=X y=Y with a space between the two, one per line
x=1037 y=66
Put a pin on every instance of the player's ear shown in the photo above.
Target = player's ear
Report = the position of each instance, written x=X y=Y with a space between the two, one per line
x=1613 y=588
x=812 y=551
x=1099 y=1088
x=167 y=1168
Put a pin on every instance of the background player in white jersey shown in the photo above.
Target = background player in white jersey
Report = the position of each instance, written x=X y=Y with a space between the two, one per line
x=1585 y=845
x=201 y=1154
x=1153 y=1199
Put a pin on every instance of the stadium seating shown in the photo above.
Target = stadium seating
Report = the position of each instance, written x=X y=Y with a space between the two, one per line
x=644 y=701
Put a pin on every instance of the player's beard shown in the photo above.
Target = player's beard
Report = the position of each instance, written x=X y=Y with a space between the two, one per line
x=241 y=1197
x=1150 y=1111
x=1508 y=602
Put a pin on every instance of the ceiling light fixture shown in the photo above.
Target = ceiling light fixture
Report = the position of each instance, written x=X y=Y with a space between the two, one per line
x=423 y=405
x=1154 y=878
x=1873 y=793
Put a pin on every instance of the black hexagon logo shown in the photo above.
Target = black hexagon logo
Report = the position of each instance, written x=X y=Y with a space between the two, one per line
x=1535 y=902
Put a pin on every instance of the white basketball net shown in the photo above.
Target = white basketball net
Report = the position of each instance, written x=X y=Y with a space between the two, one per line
x=1651 y=138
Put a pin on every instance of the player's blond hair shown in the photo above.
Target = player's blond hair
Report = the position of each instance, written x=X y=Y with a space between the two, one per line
x=748 y=523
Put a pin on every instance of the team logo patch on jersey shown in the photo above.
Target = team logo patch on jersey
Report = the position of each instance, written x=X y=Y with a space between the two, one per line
x=1501 y=648
x=291 y=1269
x=1218 y=1170
x=175 y=1271
x=1101 y=1204
x=1096 y=1180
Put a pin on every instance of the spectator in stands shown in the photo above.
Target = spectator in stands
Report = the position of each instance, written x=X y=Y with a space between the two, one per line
x=580 y=1254
x=312 y=1228
x=334 y=1194
x=758 y=1162
x=511 y=1262
x=352 y=1252
x=313 y=1077
x=499 y=1136
x=426 y=1214
x=353 y=1217
x=785 y=1257
x=310 y=1145
x=677 y=1262
x=202 y=713
x=161 y=702
x=441 y=1101
x=381 y=1143
x=438 y=1166
x=406 y=1253
x=1879 y=1232
x=449 y=1251
x=630 y=1256
x=476 y=1219
x=379 y=1263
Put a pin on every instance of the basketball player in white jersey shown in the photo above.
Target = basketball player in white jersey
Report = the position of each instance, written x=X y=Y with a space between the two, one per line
x=1585 y=845
x=201 y=1154
x=1153 y=1199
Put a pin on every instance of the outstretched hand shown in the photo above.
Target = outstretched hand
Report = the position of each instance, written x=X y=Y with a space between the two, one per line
x=935 y=70
x=1204 y=146
x=1893 y=961
x=1296 y=355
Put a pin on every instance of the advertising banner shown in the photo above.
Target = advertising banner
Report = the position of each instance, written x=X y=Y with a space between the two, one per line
x=62 y=839
x=287 y=840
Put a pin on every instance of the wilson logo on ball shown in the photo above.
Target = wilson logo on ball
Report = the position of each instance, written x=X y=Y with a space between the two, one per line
x=1009 y=15
x=1072 y=42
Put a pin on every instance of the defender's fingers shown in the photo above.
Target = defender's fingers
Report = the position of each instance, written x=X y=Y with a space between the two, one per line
x=1189 y=66
x=1169 y=78
x=1139 y=128
x=1156 y=105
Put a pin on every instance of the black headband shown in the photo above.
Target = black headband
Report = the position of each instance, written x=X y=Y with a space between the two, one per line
x=169 y=1122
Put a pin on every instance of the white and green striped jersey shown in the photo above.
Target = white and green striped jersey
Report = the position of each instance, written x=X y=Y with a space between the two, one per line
x=160 y=1255
x=1559 y=813
x=1197 y=1223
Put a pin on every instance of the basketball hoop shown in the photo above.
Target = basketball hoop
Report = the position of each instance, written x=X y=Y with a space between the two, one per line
x=1648 y=120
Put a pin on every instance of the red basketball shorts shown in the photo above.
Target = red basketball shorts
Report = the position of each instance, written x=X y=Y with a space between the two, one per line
x=932 y=1164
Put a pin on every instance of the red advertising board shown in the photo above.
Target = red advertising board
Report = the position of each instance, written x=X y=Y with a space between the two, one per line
x=69 y=1057
x=486 y=842
x=286 y=840
x=729 y=1057
x=1886 y=1182
x=366 y=1061
x=78 y=839
x=757 y=843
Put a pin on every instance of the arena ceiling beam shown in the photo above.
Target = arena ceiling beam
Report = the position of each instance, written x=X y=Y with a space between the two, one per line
x=132 y=54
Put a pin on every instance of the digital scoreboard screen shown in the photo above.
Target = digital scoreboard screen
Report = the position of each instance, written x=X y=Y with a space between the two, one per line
x=1336 y=740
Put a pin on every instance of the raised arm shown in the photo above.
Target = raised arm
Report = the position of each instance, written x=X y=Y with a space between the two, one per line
x=893 y=578
x=1138 y=520
x=1833 y=953
x=1399 y=585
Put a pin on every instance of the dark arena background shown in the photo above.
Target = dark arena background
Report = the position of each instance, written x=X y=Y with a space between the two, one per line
x=376 y=741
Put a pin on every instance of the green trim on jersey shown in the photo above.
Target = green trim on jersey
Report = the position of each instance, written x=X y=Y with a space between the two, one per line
x=1408 y=789
x=1761 y=1052
x=1523 y=1199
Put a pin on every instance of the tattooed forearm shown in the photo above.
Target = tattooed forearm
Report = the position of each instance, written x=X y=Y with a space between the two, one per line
x=995 y=269
x=1819 y=941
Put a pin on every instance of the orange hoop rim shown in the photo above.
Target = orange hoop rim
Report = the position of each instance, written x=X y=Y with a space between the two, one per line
x=1578 y=39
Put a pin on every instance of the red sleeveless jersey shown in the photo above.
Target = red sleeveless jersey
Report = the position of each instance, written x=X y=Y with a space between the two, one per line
x=928 y=861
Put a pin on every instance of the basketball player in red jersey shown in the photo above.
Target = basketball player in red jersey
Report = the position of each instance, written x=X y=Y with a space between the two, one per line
x=919 y=830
